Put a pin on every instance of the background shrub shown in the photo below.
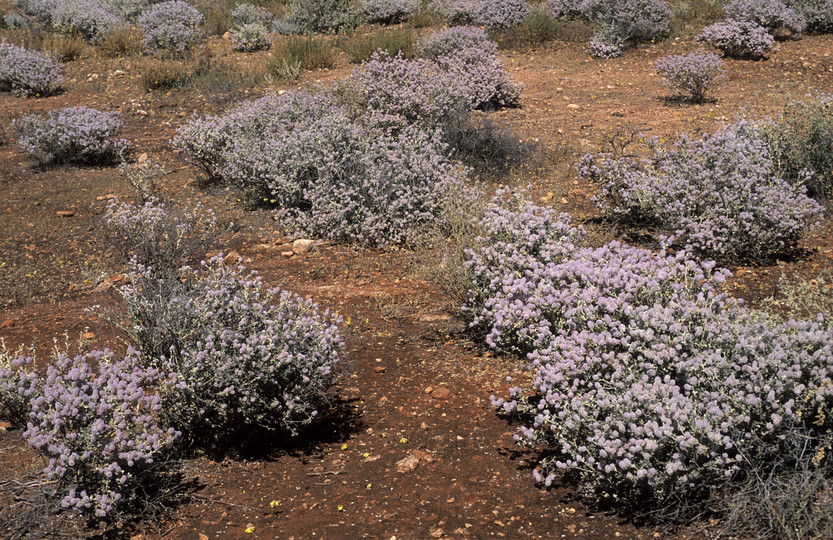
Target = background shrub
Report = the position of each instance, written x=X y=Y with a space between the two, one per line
x=719 y=195
x=801 y=139
x=123 y=42
x=251 y=37
x=328 y=16
x=305 y=52
x=737 y=39
x=95 y=428
x=694 y=74
x=246 y=13
x=456 y=12
x=388 y=11
x=771 y=14
x=88 y=18
x=172 y=26
x=817 y=13
x=392 y=42
x=74 y=134
x=501 y=13
x=28 y=73
x=241 y=356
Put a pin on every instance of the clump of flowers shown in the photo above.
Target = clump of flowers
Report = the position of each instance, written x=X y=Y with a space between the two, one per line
x=28 y=73
x=89 y=18
x=327 y=174
x=242 y=357
x=718 y=195
x=694 y=74
x=388 y=11
x=247 y=13
x=251 y=37
x=471 y=66
x=75 y=134
x=95 y=427
x=501 y=13
x=771 y=14
x=330 y=16
x=456 y=12
x=817 y=13
x=737 y=39
x=172 y=26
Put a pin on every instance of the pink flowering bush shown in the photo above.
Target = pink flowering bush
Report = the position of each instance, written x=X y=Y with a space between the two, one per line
x=28 y=73
x=388 y=11
x=718 y=195
x=693 y=74
x=172 y=26
x=251 y=37
x=737 y=39
x=771 y=14
x=71 y=135
x=95 y=427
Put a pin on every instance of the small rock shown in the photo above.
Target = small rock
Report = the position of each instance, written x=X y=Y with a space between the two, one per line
x=573 y=106
x=227 y=36
x=433 y=317
x=303 y=246
x=8 y=323
x=563 y=200
x=65 y=213
x=379 y=369
x=287 y=254
x=203 y=536
x=88 y=335
x=232 y=258
x=142 y=157
x=407 y=464
x=137 y=537
x=142 y=112
x=428 y=389
x=437 y=533
x=547 y=198
x=441 y=393
x=618 y=114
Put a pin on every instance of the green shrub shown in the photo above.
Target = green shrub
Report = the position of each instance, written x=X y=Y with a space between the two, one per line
x=392 y=42
x=307 y=52
x=328 y=16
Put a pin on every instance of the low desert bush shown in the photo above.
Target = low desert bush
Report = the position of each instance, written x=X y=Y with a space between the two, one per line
x=456 y=12
x=693 y=75
x=719 y=195
x=771 y=14
x=251 y=37
x=327 y=16
x=540 y=27
x=143 y=177
x=817 y=13
x=88 y=18
x=392 y=42
x=306 y=52
x=240 y=356
x=163 y=75
x=388 y=11
x=490 y=147
x=122 y=42
x=172 y=27
x=93 y=420
x=71 y=135
x=13 y=20
x=29 y=73
x=801 y=139
x=501 y=13
x=327 y=175
x=468 y=60
x=797 y=297
x=737 y=39
x=691 y=16
x=65 y=48
x=246 y=13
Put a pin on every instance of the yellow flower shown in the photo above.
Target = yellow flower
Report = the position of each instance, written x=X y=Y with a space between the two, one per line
x=344 y=446
x=275 y=504
x=250 y=529
x=341 y=508
x=403 y=440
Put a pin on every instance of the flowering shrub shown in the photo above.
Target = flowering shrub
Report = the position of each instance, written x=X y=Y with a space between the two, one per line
x=159 y=236
x=771 y=14
x=501 y=13
x=388 y=11
x=328 y=175
x=89 y=18
x=251 y=37
x=719 y=194
x=469 y=61
x=172 y=26
x=332 y=16
x=694 y=74
x=607 y=43
x=28 y=73
x=564 y=9
x=95 y=428
x=245 y=14
x=244 y=356
x=817 y=13
x=737 y=39
x=652 y=386
x=457 y=11
x=74 y=134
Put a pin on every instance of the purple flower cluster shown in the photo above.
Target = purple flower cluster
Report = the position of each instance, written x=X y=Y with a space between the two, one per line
x=247 y=13
x=771 y=14
x=469 y=62
x=251 y=37
x=737 y=39
x=244 y=356
x=694 y=74
x=817 y=13
x=488 y=13
x=159 y=236
x=328 y=175
x=92 y=19
x=651 y=385
x=388 y=11
x=172 y=26
x=607 y=43
x=718 y=195
x=95 y=428
x=567 y=9
x=75 y=134
x=456 y=12
x=29 y=73
x=331 y=16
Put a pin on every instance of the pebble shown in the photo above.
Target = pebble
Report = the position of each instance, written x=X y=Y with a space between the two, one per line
x=303 y=246
x=65 y=213
x=573 y=106
x=379 y=369
x=441 y=393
